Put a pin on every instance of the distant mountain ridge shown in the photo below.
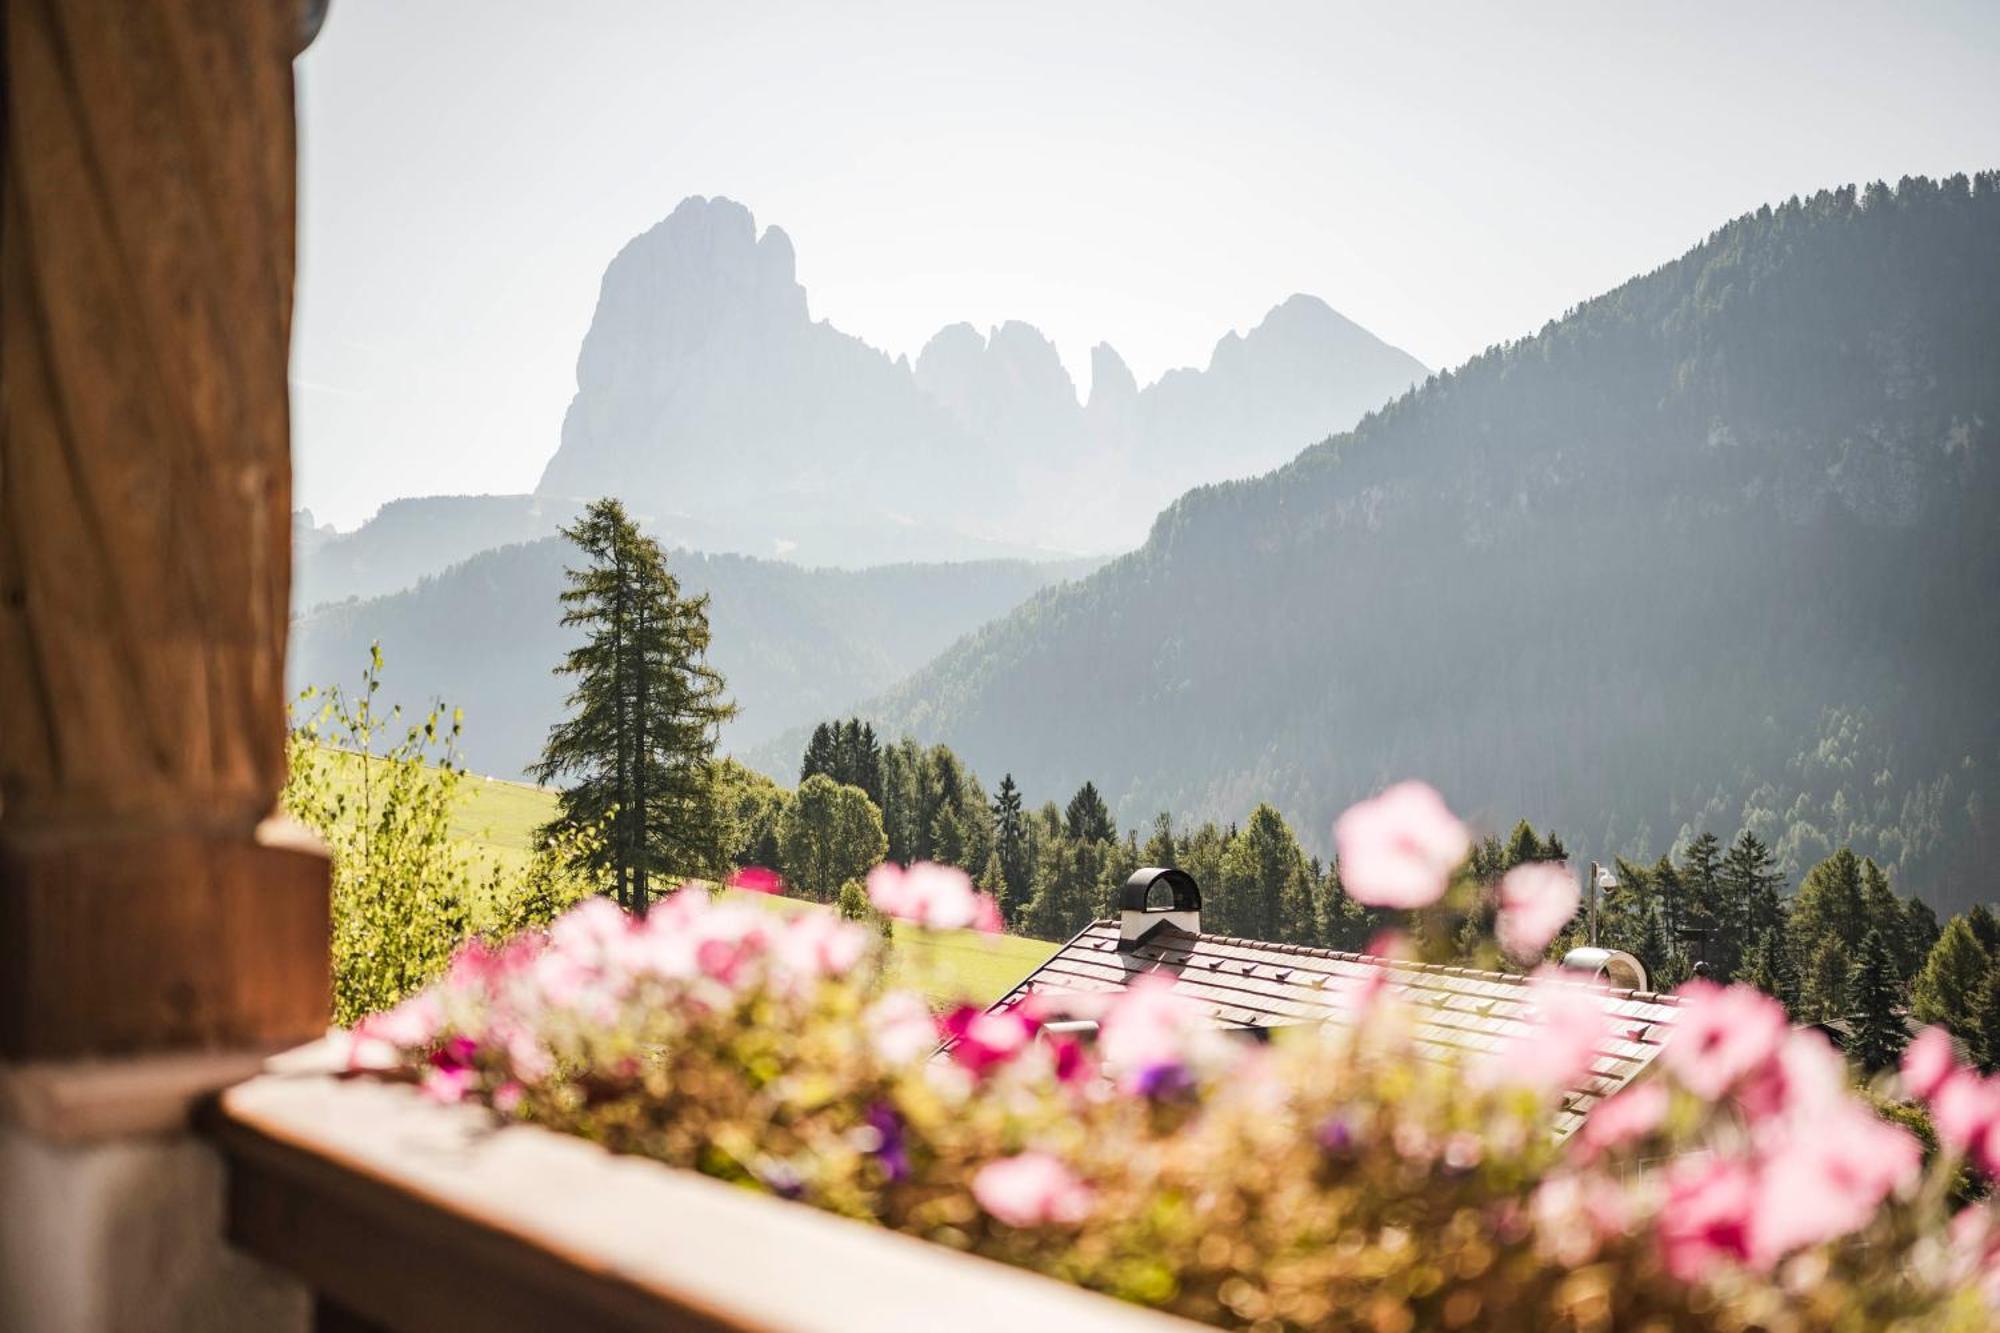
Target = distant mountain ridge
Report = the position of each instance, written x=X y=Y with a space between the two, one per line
x=795 y=644
x=1718 y=549
x=704 y=387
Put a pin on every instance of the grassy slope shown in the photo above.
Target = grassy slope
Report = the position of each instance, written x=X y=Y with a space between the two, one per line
x=497 y=821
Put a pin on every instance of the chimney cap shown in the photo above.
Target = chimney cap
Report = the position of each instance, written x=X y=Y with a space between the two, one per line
x=1137 y=894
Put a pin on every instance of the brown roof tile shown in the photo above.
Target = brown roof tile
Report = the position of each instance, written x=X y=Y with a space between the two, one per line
x=1253 y=984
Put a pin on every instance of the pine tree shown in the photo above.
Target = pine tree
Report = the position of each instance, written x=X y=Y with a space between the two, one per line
x=1522 y=846
x=1161 y=849
x=1708 y=916
x=1947 y=987
x=1985 y=928
x=1264 y=881
x=1010 y=850
x=1986 y=1015
x=1770 y=969
x=1651 y=947
x=1088 y=817
x=1879 y=1033
x=820 y=756
x=1824 y=988
x=636 y=751
x=1751 y=886
x=1829 y=904
x=1917 y=932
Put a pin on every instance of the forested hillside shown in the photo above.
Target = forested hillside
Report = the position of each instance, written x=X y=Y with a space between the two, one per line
x=794 y=644
x=1718 y=549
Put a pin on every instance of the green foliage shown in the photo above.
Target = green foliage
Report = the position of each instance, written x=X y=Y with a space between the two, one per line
x=635 y=755
x=1879 y=1033
x=756 y=808
x=384 y=794
x=829 y=834
x=1088 y=818
x=402 y=892
x=1947 y=988
x=557 y=878
x=1264 y=891
x=1823 y=993
x=848 y=753
x=1770 y=471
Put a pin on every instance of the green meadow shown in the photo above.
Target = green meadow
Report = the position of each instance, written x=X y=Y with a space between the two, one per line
x=495 y=820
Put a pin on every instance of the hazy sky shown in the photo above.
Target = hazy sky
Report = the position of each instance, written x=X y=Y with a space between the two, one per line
x=1151 y=174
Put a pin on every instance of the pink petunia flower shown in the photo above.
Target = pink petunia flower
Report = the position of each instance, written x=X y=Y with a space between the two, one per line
x=1537 y=899
x=1706 y=1220
x=900 y=1028
x=1808 y=1078
x=983 y=1041
x=1625 y=1119
x=1827 y=1180
x=934 y=896
x=818 y=944
x=1031 y=1189
x=1399 y=849
x=1722 y=1035
x=1557 y=1051
x=1927 y=1062
x=1144 y=1037
x=1964 y=1109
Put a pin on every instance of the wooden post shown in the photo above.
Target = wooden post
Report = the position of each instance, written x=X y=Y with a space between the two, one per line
x=147 y=901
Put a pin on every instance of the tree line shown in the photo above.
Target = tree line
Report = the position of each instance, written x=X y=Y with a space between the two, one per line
x=636 y=768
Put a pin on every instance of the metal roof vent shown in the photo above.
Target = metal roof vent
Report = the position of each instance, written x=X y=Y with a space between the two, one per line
x=1138 y=919
x=1612 y=966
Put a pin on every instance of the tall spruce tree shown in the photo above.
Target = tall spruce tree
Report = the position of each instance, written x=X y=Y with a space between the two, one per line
x=1946 y=989
x=636 y=751
x=1874 y=998
x=1753 y=889
x=1823 y=990
x=1011 y=850
x=1088 y=817
x=1986 y=1018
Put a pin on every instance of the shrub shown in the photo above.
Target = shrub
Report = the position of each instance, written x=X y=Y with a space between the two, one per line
x=380 y=791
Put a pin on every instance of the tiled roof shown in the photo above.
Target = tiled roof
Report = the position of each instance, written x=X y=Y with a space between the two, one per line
x=1252 y=984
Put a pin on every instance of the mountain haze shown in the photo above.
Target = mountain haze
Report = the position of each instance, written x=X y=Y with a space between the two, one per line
x=795 y=644
x=1717 y=549
x=704 y=387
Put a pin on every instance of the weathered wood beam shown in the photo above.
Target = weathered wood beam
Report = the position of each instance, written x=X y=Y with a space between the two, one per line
x=146 y=260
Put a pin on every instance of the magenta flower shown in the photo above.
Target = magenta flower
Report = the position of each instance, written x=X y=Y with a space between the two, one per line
x=1537 y=899
x=814 y=945
x=1706 y=1220
x=1623 y=1120
x=378 y=1042
x=756 y=879
x=934 y=896
x=983 y=1041
x=1399 y=849
x=900 y=1029
x=1965 y=1109
x=1927 y=1062
x=1145 y=1036
x=1031 y=1189
x=1557 y=1051
x=1722 y=1035
x=1827 y=1179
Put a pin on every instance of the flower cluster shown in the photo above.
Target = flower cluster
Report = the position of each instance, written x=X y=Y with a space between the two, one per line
x=1341 y=1176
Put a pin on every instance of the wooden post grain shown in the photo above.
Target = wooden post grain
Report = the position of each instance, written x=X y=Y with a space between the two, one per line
x=146 y=257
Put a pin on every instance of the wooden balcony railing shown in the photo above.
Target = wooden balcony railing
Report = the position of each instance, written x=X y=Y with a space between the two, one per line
x=404 y=1215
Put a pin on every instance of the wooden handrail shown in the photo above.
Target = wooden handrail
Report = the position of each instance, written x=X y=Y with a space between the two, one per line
x=417 y=1217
